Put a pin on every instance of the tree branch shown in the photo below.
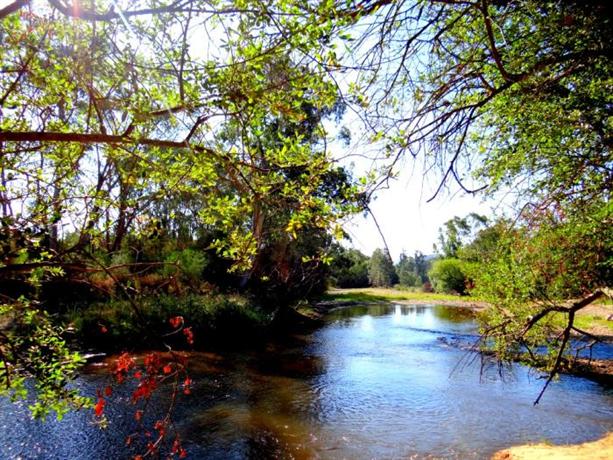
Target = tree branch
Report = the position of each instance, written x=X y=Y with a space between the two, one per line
x=95 y=138
x=11 y=8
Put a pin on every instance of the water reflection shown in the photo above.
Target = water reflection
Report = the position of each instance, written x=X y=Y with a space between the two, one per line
x=375 y=382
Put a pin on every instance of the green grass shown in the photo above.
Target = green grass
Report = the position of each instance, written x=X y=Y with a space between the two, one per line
x=587 y=322
x=389 y=294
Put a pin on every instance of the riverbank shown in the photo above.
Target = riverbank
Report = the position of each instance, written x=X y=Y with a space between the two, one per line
x=593 y=319
x=590 y=320
x=401 y=296
x=202 y=320
x=601 y=449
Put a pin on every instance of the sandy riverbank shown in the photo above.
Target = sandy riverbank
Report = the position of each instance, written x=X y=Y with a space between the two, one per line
x=601 y=449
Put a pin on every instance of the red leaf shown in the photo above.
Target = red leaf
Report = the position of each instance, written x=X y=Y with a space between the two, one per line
x=176 y=321
x=160 y=426
x=138 y=415
x=99 y=407
x=108 y=391
x=124 y=363
x=189 y=335
x=167 y=369
x=182 y=453
x=186 y=384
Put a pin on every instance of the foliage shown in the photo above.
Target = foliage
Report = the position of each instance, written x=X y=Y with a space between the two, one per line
x=188 y=262
x=388 y=295
x=520 y=88
x=486 y=242
x=116 y=128
x=456 y=232
x=405 y=268
x=412 y=270
x=348 y=268
x=548 y=261
x=509 y=95
x=381 y=272
x=118 y=135
x=213 y=317
x=32 y=341
x=448 y=276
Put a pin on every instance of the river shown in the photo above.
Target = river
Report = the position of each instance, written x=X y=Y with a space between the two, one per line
x=381 y=381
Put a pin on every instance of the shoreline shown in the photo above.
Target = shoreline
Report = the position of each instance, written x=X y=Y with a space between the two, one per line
x=601 y=449
x=599 y=370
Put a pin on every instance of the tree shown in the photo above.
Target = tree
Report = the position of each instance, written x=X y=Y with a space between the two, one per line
x=406 y=270
x=447 y=275
x=507 y=95
x=485 y=242
x=421 y=266
x=381 y=271
x=110 y=116
x=456 y=232
x=501 y=84
x=348 y=268
x=413 y=270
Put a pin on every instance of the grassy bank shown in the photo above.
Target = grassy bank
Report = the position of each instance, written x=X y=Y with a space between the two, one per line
x=120 y=324
x=395 y=295
x=592 y=319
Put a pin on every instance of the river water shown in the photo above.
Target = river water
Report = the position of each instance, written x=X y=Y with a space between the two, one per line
x=383 y=381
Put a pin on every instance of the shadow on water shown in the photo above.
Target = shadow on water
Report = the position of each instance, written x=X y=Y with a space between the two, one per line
x=374 y=382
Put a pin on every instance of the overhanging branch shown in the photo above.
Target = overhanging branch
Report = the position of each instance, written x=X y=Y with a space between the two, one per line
x=96 y=138
x=13 y=7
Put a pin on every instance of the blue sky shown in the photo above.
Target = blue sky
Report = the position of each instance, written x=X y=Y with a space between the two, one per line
x=407 y=221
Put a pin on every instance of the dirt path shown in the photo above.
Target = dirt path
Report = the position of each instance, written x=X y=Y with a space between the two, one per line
x=596 y=450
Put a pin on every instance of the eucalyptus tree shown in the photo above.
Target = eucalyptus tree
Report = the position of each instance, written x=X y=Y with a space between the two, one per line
x=110 y=108
x=456 y=232
x=381 y=271
x=510 y=96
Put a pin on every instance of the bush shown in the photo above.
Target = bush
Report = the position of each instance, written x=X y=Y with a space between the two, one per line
x=408 y=279
x=189 y=263
x=214 y=318
x=448 y=276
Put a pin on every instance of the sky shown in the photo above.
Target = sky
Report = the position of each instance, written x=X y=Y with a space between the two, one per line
x=407 y=221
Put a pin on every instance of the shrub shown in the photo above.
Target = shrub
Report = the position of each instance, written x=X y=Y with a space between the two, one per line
x=448 y=275
x=189 y=263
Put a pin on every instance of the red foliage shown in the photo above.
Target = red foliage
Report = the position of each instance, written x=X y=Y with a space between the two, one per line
x=160 y=426
x=156 y=369
x=123 y=365
x=189 y=335
x=176 y=321
x=99 y=407
x=145 y=389
x=186 y=385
